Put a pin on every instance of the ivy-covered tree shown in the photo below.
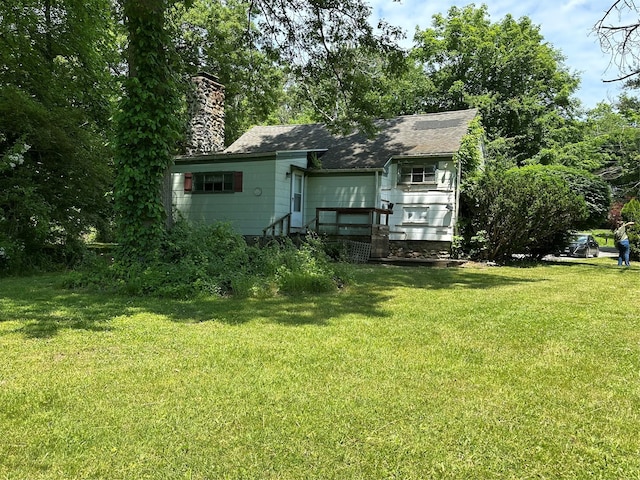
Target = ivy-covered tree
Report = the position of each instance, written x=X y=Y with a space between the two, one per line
x=148 y=128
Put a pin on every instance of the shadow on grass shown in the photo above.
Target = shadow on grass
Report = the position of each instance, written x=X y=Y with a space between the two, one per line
x=436 y=278
x=609 y=263
x=43 y=308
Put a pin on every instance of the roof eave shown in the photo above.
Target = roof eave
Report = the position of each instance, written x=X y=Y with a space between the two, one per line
x=220 y=157
x=345 y=170
x=422 y=155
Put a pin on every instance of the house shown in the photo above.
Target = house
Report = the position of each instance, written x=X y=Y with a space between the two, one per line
x=402 y=185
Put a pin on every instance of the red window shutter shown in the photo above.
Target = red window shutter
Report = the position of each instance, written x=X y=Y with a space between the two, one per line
x=188 y=182
x=237 y=181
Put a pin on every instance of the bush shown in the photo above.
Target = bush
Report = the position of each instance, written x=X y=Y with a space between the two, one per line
x=54 y=170
x=18 y=257
x=307 y=269
x=527 y=210
x=214 y=260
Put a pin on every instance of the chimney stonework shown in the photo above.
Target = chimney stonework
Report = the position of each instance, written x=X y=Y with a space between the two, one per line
x=206 y=116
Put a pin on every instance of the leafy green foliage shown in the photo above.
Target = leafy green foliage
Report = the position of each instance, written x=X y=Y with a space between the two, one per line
x=526 y=210
x=631 y=211
x=53 y=175
x=469 y=156
x=606 y=142
x=54 y=111
x=593 y=189
x=615 y=131
x=216 y=37
x=214 y=260
x=59 y=53
x=333 y=54
x=505 y=69
x=147 y=133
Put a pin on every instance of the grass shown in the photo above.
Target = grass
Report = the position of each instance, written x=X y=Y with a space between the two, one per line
x=604 y=237
x=411 y=373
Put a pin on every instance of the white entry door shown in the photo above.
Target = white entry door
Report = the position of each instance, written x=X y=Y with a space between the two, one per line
x=297 y=197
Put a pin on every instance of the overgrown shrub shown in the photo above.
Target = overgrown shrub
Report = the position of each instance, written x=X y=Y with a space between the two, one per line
x=18 y=257
x=214 y=260
x=527 y=210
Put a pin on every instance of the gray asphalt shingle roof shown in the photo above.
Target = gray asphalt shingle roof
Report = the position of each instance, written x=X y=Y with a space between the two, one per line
x=410 y=135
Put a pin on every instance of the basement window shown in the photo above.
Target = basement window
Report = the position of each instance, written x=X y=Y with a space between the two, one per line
x=415 y=215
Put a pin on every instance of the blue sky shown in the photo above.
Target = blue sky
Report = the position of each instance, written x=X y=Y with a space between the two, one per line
x=567 y=25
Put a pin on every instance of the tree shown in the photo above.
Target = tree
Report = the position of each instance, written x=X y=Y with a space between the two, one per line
x=593 y=189
x=332 y=45
x=523 y=210
x=147 y=131
x=613 y=131
x=518 y=81
x=54 y=109
x=619 y=33
x=388 y=86
x=217 y=37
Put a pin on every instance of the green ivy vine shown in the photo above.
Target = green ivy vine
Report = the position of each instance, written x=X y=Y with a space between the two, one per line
x=147 y=130
x=469 y=156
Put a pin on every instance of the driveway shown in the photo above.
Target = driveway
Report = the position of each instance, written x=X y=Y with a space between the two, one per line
x=605 y=251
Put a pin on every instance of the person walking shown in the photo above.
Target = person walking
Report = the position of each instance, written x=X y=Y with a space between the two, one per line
x=622 y=242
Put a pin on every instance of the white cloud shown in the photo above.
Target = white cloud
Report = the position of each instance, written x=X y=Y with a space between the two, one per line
x=567 y=25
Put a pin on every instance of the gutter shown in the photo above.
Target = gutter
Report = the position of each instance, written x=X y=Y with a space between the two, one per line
x=321 y=171
x=221 y=157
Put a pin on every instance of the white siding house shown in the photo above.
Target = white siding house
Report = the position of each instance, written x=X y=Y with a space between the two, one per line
x=286 y=173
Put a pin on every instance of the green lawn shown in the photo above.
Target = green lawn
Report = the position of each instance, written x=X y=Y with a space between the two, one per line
x=604 y=237
x=411 y=373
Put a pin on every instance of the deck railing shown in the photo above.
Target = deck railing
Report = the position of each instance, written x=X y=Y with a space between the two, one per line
x=335 y=221
x=281 y=226
x=350 y=221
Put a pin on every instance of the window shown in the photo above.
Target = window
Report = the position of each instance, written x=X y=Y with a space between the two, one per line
x=213 y=182
x=417 y=174
x=297 y=193
x=419 y=215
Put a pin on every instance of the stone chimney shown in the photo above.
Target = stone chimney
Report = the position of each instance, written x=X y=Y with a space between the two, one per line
x=206 y=116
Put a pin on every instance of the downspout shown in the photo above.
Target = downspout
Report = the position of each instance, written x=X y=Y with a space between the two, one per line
x=378 y=201
x=457 y=190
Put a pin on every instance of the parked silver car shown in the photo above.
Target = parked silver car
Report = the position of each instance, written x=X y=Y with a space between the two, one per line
x=582 y=245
